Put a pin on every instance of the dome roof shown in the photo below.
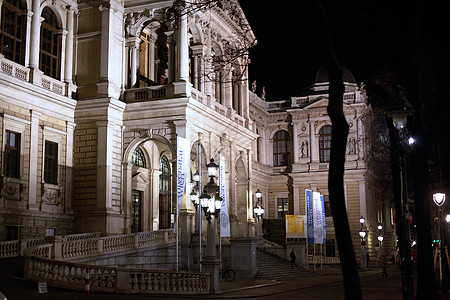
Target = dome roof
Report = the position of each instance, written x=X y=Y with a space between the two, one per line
x=322 y=75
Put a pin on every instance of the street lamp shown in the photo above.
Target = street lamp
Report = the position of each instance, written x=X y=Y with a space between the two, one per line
x=211 y=203
x=439 y=200
x=399 y=108
x=258 y=209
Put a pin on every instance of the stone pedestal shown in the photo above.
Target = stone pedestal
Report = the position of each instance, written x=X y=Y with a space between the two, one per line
x=211 y=265
x=194 y=252
x=243 y=257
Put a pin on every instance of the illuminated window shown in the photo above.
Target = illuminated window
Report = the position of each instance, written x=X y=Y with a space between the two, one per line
x=282 y=207
x=12 y=31
x=325 y=143
x=50 y=45
x=281 y=149
x=138 y=158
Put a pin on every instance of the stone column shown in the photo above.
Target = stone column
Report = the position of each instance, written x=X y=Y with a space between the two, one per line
x=171 y=56
x=155 y=196
x=27 y=37
x=63 y=34
x=104 y=164
x=198 y=52
x=314 y=145
x=208 y=66
x=245 y=99
x=69 y=167
x=133 y=46
x=69 y=47
x=126 y=196
x=295 y=142
x=32 y=177
x=182 y=46
x=153 y=38
x=35 y=35
x=232 y=188
x=227 y=87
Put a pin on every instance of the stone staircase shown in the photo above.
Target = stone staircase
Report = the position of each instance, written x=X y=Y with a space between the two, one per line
x=273 y=267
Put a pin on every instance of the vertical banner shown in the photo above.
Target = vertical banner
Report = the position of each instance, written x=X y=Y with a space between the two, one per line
x=183 y=158
x=309 y=217
x=324 y=222
x=224 y=218
x=318 y=218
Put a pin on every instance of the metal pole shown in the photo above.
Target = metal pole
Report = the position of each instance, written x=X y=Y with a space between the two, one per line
x=200 y=206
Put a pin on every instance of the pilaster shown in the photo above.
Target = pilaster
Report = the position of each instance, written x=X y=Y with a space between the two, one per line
x=32 y=177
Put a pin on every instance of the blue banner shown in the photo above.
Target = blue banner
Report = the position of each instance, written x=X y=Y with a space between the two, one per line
x=309 y=217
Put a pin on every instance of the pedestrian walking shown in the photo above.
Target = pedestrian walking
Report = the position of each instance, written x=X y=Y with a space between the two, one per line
x=293 y=258
x=384 y=265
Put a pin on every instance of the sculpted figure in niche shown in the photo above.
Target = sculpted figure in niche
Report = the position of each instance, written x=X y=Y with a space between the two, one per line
x=304 y=148
x=352 y=146
x=254 y=86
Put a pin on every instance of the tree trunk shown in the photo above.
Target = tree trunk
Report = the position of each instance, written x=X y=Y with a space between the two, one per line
x=339 y=133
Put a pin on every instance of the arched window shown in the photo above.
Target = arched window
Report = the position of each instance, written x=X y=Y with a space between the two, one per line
x=165 y=184
x=281 y=149
x=325 y=143
x=12 y=31
x=138 y=158
x=49 y=52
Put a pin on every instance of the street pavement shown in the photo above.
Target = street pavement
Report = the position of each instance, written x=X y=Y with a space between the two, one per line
x=323 y=283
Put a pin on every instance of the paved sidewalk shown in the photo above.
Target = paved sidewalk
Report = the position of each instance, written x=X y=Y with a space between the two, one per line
x=321 y=284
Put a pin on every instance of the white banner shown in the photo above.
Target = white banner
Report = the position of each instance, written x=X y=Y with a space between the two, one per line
x=319 y=218
x=183 y=158
x=224 y=218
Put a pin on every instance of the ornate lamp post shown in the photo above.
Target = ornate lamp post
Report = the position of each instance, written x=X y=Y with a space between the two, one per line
x=399 y=109
x=211 y=203
x=259 y=211
x=439 y=200
x=362 y=233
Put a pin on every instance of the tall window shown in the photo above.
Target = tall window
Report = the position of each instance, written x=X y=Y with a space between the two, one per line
x=12 y=31
x=164 y=193
x=138 y=158
x=51 y=163
x=50 y=45
x=325 y=143
x=12 y=154
x=282 y=207
x=136 y=211
x=326 y=204
x=281 y=149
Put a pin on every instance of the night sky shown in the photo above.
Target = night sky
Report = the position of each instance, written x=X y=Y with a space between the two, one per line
x=290 y=44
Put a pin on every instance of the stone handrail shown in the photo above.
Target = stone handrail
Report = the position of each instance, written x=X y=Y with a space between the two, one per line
x=81 y=236
x=9 y=248
x=42 y=251
x=17 y=247
x=66 y=250
x=113 y=279
x=13 y=69
x=324 y=260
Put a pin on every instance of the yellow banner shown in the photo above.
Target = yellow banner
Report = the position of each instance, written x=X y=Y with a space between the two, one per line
x=295 y=226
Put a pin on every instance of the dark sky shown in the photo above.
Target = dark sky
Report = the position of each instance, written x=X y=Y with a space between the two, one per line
x=290 y=50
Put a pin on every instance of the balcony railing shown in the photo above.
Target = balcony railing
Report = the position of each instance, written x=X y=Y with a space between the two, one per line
x=23 y=73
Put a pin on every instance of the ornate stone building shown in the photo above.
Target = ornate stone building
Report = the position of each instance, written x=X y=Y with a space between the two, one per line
x=93 y=95
x=292 y=153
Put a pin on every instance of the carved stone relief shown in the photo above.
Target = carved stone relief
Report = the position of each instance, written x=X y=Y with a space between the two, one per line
x=11 y=190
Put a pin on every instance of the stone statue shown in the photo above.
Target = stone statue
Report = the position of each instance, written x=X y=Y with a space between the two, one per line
x=254 y=86
x=304 y=149
x=352 y=146
x=263 y=94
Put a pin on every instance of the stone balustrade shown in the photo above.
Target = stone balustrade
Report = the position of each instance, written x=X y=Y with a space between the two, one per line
x=324 y=260
x=113 y=279
x=23 y=73
x=9 y=248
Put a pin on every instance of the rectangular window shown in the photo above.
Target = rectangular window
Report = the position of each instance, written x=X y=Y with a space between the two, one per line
x=12 y=154
x=12 y=233
x=331 y=248
x=282 y=207
x=326 y=204
x=51 y=163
